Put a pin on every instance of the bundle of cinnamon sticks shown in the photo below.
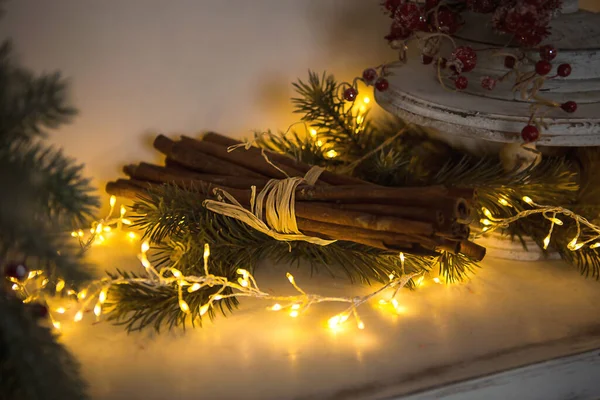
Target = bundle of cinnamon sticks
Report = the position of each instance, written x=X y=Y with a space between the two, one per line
x=416 y=220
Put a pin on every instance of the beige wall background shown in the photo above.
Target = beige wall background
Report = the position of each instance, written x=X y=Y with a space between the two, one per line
x=143 y=66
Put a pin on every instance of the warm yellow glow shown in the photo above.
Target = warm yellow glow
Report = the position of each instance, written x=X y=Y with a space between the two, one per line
x=194 y=287
x=113 y=201
x=359 y=119
x=437 y=280
x=391 y=276
x=131 y=235
x=33 y=274
x=294 y=314
x=176 y=273
x=15 y=286
x=217 y=297
x=503 y=202
x=290 y=278
x=184 y=306
x=101 y=239
x=363 y=109
x=45 y=282
x=486 y=221
x=206 y=251
x=528 y=200
x=334 y=321
x=361 y=325
x=60 y=310
x=395 y=303
x=102 y=296
x=546 y=242
x=331 y=153
x=573 y=245
x=56 y=325
x=98 y=309
x=555 y=220
x=487 y=213
x=204 y=309
x=74 y=234
x=78 y=316
x=107 y=229
x=243 y=272
x=126 y=221
x=243 y=282
x=319 y=143
x=144 y=261
x=296 y=307
x=145 y=246
x=313 y=132
x=123 y=210
x=71 y=292
x=593 y=246
x=99 y=228
x=276 y=307
x=383 y=302
x=420 y=281
x=81 y=295
x=366 y=100
x=80 y=233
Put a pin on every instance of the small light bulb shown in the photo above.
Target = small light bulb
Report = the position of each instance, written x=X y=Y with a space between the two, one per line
x=81 y=295
x=45 y=282
x=383 y=302
x=362 y=108
x=319 y=143
x=60 y=310
x=217 y=297
x=204 y=309
x=206 y=251
x=366 y=100
x=313 y=132
x=391 y=276
x=503 y=202
x=71 y=292
x=361 y=325
x=395 y=303
x=296 y=307
x=555 y=220
x=528 y=200
x=131 y=235
x=176 y=273
x=74 y=234
x=572 y=243
x=546 y=242
x=595 y=245
x=98 y=309
x=437 y=280
x=359 y=119
x=56 y=325
x=485 y=221
x=290 y=278
x=99 y=228
x=331 y=153
x=184 y=306
x=78 y=316
x=420 y=281
x=123 y=210
x=194 y=287
x=242 y=272
x=125 y=221
x=144 y=261
x=294 y=314
x=113 y=201
x=145 y=246
x=102 y=296
x=15 y=286
x=80 y=233
x=243 y=282
x=107 y=229
x=334 y=322
x=276 y=307
x=487 y=213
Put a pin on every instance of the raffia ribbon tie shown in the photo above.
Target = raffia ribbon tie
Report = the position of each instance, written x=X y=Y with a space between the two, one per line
x=278 y=198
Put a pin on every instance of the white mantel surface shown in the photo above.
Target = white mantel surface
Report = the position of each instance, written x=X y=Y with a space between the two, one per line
x=510 y=314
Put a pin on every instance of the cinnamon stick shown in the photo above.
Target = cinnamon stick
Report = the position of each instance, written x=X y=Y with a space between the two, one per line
x=283 y=160
x=190 y=158
x=251 y=160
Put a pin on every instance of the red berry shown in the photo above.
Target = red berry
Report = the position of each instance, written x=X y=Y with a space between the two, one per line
x=542 y=67
x=398 y=32
x=408 y=15
x=531 y=37
x=369 y=75
x=530 y=133
x=425 y=59
x=509 y=62
x=350 y=94
x=481 y=6
x=564 y=70
x=382 y=84
x=447 y=21
x=467 y=57
x=461 y=82
x=16 y=270
x=487 y=82
x=548 y=52
x=569 y=106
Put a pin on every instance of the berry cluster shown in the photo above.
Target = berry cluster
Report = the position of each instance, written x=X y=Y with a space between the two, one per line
x=526 y=21
x=370 y=76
